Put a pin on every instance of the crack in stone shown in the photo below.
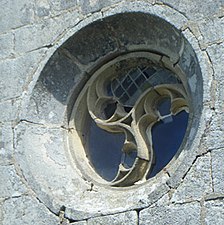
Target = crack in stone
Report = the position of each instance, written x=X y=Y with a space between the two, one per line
x=15 y=98
x=46 y=207
x=186 y=202
x=214 y=197
x=3 y=200
x=204 y=135
x=18 y=170
x=48 y=46
x=210 y=44
x=44 y=125
x=192 y=164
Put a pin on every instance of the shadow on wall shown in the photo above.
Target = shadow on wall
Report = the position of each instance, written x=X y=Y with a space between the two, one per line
x=101 y=41
x=73 y=63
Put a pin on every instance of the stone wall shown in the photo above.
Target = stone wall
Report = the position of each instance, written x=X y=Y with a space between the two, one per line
x=30 y=32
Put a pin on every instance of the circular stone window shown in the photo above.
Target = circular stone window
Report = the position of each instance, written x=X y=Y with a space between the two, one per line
x=116 y=114
x=130 y=119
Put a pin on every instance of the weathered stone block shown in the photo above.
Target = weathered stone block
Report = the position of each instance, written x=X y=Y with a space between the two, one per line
x=6 y=47
x=16 y=72
x=92 y=43
x=212 y=29
x=15 y=14
x=218 y=170
x=59 y=5
x=214 y=213
x=116 y=219
x=25 y=211
x=196 y=183
x=217 y=57
x=195 y=10
x=213 y=137
x=10 y=183
x=135 y=31
x=6 y=144
x=171 y=214
x=9 y=109
x=42 y=8
x=89 y=6
x=44 y=34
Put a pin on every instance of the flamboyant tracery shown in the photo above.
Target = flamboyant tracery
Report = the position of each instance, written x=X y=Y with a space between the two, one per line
x=129 y=100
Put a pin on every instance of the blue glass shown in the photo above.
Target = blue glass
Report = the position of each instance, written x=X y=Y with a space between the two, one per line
x=164 y=106
x=104 y=151
x=167 y=137
x=128 y=159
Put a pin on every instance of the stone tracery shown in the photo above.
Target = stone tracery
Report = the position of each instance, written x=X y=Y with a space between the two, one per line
x=127 y=101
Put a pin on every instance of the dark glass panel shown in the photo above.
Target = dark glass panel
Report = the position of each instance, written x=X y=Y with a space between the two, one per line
x=134 y=73
x=132 y=89
x=104 y=151
x=167 y=138
x=127 y=109
x=128 y=159
x=149 y=72
x=124 y=98
x=119 y=91
x=140 y=80
x=126 y=82
x=164 y=106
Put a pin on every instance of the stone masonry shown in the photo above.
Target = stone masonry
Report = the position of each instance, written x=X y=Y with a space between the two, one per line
x=30 y=32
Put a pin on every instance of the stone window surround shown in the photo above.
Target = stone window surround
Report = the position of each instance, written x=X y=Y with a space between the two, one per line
x=153 y=190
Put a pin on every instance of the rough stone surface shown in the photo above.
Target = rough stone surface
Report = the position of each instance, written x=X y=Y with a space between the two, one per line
x=1 y=216
x=59 y=5
x=27 y=210
x=7 y=44
x=31 y=39
x=10 y=183
x=117 y=219
x=215 y=138
x=196 y=10
x=33 y=119
x=10 y=108
x=16 y=72
x=49 y=100
x=171 y=214
x=6 y=144
x=212 y=30
x=15 y=14
x=88 y=6
x=214 y=213
x=42 y=8
x=197 y=182
x=218 y=170
x=216 y=54
x=92 y=43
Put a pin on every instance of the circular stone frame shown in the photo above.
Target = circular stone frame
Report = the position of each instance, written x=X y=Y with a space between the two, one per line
x=41 y=150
